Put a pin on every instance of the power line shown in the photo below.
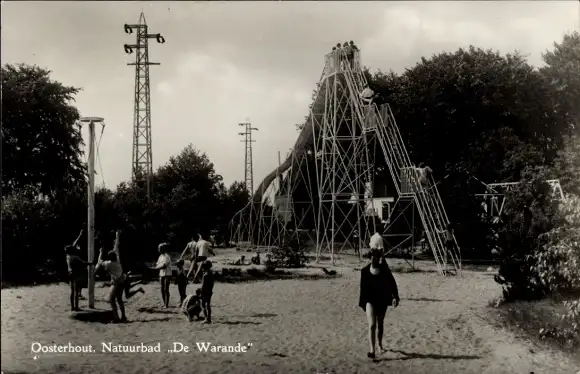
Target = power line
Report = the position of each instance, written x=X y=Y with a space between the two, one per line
x=248 y=164
x=142 y=162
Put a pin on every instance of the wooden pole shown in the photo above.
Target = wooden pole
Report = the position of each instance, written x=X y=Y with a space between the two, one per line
x=91 y=215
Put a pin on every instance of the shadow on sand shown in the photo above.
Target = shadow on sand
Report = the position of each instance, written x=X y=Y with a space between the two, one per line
x=161 y=319
x=240 y=323
x=155 y=311
x=412 y=356
x=428 y=299
x=263 y=315
x=106 y=317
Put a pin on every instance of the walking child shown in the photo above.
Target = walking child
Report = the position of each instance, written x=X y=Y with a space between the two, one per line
x=378 y=291
x=207 y=283
x=181 y=281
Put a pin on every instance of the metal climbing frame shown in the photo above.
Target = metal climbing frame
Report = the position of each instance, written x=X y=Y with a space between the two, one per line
x=341 y=129
x=425 y=197
x=345 y=162
x=494 y=196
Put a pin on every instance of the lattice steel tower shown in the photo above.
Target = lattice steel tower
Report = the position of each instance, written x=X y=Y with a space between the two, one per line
x=248 y=165
x=142 y=162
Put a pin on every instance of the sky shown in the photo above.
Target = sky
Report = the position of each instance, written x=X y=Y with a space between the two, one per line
x=224 y=63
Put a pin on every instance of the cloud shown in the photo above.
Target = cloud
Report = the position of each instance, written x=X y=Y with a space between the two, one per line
x=411 y=30
x=215 y=95
x=165 y=88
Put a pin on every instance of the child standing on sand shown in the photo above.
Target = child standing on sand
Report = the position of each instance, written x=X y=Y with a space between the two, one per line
x=76 y=273
x=207 y=283
x=165 y=272
x=181 y=281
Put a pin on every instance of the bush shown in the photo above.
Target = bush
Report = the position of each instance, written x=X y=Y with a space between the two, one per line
x=290 y=255
x=529 y=213
x=557 y=262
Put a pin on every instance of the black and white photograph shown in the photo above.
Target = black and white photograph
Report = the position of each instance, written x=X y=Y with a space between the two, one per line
x=290 y=187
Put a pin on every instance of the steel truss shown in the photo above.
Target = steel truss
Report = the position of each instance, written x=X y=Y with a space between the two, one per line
x=494 y=198
x=343 y=132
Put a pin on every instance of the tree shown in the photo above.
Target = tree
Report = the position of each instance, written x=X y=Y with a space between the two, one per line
x=530 y=213
x=237 y=197
x=40 y=134
x=473 y=113
x=561 y=72
x=188 y=189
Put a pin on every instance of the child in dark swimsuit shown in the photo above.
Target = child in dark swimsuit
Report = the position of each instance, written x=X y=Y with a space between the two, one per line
x=378 y=290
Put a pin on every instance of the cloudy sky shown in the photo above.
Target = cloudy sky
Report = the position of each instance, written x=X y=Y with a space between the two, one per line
x=226 y=62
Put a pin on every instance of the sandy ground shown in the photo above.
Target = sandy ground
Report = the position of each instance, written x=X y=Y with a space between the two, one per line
x=294 y=326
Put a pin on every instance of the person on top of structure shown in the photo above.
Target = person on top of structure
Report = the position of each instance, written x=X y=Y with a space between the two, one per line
x=353 y=49
x=349 y=52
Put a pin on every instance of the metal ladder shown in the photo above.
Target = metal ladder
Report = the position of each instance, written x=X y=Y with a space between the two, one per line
x=427 y=198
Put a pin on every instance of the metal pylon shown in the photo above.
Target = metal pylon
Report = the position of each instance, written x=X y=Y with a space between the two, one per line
x=142 y=160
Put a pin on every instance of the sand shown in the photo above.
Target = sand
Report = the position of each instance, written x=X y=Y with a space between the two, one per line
x=294 y=326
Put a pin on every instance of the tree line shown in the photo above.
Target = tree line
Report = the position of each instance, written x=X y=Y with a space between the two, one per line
x=44 y=198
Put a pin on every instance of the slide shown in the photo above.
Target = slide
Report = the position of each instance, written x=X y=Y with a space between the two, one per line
x=303 y=143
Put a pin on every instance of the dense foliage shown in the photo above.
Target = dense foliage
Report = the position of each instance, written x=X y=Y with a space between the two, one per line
x=188 y=198
x=41 y=139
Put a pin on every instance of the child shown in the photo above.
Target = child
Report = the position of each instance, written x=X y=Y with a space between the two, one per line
x=207 y=283
x=449 y=237
x=76 y=273
x=181 y=281
x=81 y=283
x=165 y=272
x=240 y=261
x=113 y=267
x=191 y=306
x=423 y=173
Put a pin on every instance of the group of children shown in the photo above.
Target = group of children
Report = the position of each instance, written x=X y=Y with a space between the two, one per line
x=123 y=283
x=194 y=304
